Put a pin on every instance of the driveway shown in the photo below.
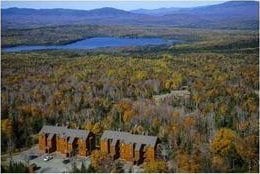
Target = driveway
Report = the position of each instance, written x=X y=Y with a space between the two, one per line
x=55 y=165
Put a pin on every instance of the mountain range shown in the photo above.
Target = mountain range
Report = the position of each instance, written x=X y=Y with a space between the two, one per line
x=228 y=15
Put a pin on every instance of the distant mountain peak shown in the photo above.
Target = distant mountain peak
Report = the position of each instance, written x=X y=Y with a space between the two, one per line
x=240 y=3
x=109 y=10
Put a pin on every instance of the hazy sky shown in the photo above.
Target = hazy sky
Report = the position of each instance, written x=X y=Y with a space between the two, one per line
x=120 y=4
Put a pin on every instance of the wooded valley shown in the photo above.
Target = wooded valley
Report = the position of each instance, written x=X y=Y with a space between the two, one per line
x=216 y=130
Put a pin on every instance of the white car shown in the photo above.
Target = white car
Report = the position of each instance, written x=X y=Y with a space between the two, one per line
x=47 y=158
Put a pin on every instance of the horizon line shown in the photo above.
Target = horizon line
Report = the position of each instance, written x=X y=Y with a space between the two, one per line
x=122 y=5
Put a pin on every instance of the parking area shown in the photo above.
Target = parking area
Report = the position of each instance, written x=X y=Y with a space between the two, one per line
x=58 y=164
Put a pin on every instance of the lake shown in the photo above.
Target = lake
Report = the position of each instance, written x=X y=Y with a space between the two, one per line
x=96 y=42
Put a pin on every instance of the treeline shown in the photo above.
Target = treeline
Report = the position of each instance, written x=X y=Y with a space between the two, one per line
x=70 y=33
x=14 y=167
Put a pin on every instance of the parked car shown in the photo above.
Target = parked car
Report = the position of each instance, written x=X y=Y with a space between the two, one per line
x=31 y=157
x=66 y=161
x=47 y=158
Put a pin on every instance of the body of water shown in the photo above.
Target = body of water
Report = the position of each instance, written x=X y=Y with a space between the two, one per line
x=96 y=42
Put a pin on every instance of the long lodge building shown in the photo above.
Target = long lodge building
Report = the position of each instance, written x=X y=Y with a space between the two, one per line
x=123 y=145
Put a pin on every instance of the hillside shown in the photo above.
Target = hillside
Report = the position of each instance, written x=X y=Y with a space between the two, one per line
x=233 y=14
x=28 y=18
x=229 y=15
x=245 y=8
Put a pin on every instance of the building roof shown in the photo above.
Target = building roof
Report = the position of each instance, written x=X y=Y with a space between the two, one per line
x=175 y=93
x=129 y=138
x=65 y=132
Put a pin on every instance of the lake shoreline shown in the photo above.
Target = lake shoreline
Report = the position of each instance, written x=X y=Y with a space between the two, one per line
x=77 y=40
x=94 y=43
x=46 y=44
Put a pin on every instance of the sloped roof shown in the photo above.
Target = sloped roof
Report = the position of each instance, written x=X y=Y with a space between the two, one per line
x=175 y=93
x=129 y=138
x=65 y=132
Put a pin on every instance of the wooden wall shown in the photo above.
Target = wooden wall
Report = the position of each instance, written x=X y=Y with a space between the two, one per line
x=83 y=151
x=123 y=150
x=149 y=153
x=104 y=146
x=42 y=142
x=127 y=152
x=62 y=145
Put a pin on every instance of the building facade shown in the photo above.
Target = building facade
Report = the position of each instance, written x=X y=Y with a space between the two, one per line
x=130 y=147
x=66 y=141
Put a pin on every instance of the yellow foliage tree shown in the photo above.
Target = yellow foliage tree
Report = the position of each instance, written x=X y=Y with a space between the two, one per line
x=139 y=75
x=223 y=142
x=97 y=128
x=107 y=122
x=128 y=114
x=73 y=125
x=88 y=126
x=177 y=80
x=96 y=158
x=139 y=129
x=6 y=127
x=197 y=98
x=111 y=72
x=157 y=166
x=126 y=110
x=174 y=82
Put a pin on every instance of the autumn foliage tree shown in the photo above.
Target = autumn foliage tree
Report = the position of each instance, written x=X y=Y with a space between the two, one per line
x=157 y=166
x=226 y=145
x=188 y=162
x=100 y=91
x=102 y=162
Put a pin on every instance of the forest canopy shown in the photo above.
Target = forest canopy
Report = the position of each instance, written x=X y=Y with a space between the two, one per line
x=215 y=130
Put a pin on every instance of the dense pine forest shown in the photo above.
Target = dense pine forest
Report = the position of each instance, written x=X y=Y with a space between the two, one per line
x=215 y=130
